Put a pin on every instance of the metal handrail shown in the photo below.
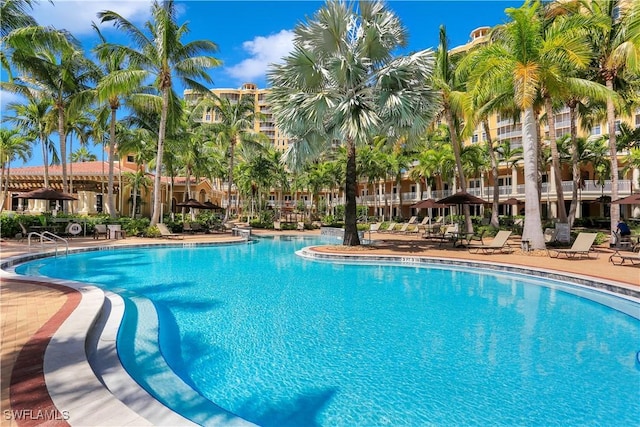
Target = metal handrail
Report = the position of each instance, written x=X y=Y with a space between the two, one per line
x=43 y=236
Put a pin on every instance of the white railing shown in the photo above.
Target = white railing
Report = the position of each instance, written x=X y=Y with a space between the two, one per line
x=44 y=237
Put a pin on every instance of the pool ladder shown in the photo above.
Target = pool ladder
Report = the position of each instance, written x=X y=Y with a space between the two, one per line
x=44 y=237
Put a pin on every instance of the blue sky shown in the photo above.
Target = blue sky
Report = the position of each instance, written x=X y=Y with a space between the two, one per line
x=253 y=34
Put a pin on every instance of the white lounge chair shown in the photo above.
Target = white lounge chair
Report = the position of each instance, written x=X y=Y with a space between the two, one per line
x=391 y=227
x=498 y=244
x=164 y=232
x=581 y=247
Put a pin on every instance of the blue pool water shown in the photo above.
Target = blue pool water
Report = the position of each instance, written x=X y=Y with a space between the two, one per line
x=280 y=340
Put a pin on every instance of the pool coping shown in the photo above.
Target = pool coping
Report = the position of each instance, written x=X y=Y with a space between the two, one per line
x=66 y=360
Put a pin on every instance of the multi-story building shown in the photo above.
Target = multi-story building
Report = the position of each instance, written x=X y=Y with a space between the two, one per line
x=264 y=123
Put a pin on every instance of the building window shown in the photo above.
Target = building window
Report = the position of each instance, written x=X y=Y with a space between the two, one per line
x=130 y=159
x=474 y=138
x=208 y=117
x=638 y=120
x=617 y=125
x=596 y=130
x=484 y=136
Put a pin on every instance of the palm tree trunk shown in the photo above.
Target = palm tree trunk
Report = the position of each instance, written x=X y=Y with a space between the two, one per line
x=112 y=144
x=532 y=230
x=495 y=220
x=134 y=200
x=230 y=183
x=575 y=166
x=350 y=212
x=63 y=152
x=155 y=218
x=555 y=160
x=45 y=158
x=4 y=186
x=456 y=151
x=613 y=154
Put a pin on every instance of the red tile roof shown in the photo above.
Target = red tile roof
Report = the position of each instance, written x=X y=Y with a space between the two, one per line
x=78 y=169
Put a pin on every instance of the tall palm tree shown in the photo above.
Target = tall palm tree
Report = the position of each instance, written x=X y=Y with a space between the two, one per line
x=451 y=89
x=341 y=82
x=163 y=56
x=117 y=81
x=235 y=121
x=615 y=40
x=13 y=145
x=514 y=56
x=32 y=117
x=51 y=63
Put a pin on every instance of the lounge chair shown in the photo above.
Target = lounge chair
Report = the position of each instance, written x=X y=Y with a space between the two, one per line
x=375 y=227
x=498 y=244
x=403 y=229
x=581 y=247
x=390 y=227
x=277 y=226
x=413 y=219
x=620 y=258
x=300 y=226
x=100 y=230
x=164 y=232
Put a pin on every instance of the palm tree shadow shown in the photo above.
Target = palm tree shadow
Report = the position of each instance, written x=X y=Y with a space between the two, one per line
x=302 y=411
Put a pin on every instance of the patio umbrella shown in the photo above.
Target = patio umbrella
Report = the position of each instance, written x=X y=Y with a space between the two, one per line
x=463 y=198
x=512 y=201
x=633 y=199
x=45 y=194
x=209 y=205
x=191 y=203
x=428 y=204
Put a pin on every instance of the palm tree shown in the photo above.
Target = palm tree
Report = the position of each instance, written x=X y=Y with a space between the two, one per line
x=514 y=57
x=117 y=82
x=13 y=145
x=615 y=40
x=15 y=15
x=234 y=124
x=32 y=117
x=138 y=182
x=163 y=57
x=342 y=83
x=451 y=89
x=53 y=65
x=82 y=154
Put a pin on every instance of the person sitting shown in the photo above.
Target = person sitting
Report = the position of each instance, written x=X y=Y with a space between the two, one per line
x=623 y=229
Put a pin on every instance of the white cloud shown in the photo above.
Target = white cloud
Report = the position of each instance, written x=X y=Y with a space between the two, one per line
x=263 y=51
x=76 y=16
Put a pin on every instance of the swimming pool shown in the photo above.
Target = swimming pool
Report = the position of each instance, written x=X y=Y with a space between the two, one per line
x=280 y=340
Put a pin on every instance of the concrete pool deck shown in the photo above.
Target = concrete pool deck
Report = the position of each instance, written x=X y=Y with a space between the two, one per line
x=32 y=310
